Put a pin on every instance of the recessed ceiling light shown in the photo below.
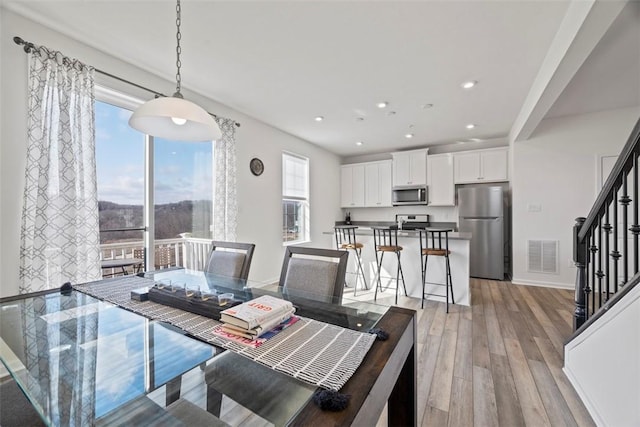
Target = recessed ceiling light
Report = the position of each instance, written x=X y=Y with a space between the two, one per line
x=476 y=139
x=319 y=118
x=425 y=106
x=409 y=136
x=358 y=142
x=382 y=104
x=470 y=126
x=469 y=84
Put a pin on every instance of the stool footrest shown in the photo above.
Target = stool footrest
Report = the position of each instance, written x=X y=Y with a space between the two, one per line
x=435 y=295
x=437 y=284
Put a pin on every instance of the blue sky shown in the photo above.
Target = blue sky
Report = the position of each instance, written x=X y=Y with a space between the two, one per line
x=183 y=170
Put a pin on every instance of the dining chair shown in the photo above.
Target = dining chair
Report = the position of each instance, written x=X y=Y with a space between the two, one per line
x=16 y=409
x=165 y=257
x=317 y=271
x=230 y=259
x=140 y=253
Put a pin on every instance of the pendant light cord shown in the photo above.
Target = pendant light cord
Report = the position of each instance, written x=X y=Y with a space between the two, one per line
x=178 y=51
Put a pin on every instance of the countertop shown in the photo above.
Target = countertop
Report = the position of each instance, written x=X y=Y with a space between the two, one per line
x=364 y=229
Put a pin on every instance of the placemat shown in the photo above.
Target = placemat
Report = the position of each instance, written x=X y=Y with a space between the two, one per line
x=315 y=352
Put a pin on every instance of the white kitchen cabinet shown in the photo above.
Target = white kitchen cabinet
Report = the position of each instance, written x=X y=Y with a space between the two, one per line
x=377 y=184
x=490 y=165
x=410 y=168
x=352 y=186
x=440 y=180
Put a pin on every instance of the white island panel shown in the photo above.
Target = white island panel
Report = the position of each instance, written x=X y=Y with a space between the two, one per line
x=410 y=259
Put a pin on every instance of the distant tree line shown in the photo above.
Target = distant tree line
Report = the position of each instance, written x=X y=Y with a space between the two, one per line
x=171 y=219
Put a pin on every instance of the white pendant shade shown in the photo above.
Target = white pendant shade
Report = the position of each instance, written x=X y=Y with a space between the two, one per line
x=159 y=118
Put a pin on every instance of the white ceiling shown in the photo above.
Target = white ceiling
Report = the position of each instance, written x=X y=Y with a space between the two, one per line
x=286 y=62
x=610 y=76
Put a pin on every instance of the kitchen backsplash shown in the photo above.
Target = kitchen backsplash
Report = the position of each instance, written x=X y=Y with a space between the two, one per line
x=436 y=213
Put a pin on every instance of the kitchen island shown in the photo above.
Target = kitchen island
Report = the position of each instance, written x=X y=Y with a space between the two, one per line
x=410 y=259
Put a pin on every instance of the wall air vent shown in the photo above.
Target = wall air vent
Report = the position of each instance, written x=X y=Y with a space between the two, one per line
x=542 y=256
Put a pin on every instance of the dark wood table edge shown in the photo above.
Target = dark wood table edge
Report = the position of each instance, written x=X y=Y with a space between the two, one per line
x=387 y=375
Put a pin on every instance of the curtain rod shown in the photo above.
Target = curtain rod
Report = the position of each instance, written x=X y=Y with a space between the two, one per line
x=28 y=47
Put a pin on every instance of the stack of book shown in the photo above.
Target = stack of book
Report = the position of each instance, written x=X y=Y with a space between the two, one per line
x=254 y=318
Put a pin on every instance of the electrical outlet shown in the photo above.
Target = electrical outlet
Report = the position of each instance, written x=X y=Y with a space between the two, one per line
x=534 y=207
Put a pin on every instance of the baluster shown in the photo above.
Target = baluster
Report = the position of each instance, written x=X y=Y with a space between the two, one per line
x=624 y=201
x=594 y=251
x=600 y=274
x=185 y=259
x=635 y=228
x=587 y=285
x=607 y=229
x=579 y=255
x=615 y=254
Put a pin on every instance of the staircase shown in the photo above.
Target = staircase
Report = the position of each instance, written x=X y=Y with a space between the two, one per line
x=602 y=358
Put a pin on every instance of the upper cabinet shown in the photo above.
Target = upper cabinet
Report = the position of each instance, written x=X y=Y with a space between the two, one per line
x=366 y=184
x=490 y=165
x=440 y=180
x=352 y=186
x=377 y=177
x=410 y=168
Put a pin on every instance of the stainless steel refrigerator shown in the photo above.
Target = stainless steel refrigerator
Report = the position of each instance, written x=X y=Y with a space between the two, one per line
x=481 y=213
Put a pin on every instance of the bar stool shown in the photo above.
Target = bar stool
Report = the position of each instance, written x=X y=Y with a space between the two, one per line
x=385 y=239
x=346 y=240
x=435 y=237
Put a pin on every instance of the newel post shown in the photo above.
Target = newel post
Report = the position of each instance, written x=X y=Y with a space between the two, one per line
x=580 y=260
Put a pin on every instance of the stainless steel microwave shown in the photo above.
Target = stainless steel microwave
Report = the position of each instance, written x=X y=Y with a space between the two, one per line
x=409 y=195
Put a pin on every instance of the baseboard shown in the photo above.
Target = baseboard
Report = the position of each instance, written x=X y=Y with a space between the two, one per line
x=569 y=286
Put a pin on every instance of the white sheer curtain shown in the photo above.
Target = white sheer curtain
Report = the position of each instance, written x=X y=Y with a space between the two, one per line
x=59 y=234
x=225 y=206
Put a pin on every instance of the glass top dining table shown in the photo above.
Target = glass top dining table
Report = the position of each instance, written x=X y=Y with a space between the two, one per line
x=81 y=361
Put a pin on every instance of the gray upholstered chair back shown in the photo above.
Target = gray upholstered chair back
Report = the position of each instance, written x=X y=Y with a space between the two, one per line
x=230 y=259
x=318 y=271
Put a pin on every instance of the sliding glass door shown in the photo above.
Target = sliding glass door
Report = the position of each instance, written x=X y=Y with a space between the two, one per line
x=120 y=171
x=155 y=196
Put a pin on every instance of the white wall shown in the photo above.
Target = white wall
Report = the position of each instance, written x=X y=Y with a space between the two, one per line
x=609 y=390
x=557 y=170
x=259 y=203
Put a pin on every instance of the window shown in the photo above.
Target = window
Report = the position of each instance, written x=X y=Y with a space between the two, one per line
x=183 y=189
x=295 y=198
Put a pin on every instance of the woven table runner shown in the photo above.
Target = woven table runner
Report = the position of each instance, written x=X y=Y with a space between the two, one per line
x=315 y=352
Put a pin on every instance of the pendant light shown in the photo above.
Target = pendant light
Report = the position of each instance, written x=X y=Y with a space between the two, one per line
x=173 y=117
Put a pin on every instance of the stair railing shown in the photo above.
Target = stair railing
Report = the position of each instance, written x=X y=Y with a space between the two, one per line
x=605 y=245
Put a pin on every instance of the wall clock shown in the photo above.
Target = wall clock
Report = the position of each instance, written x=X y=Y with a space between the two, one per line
x=256 y=166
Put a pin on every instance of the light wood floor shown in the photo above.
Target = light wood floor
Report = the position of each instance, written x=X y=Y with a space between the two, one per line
x=498 y=362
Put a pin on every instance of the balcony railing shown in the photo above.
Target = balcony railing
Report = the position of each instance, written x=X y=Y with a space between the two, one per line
x=187 y=252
